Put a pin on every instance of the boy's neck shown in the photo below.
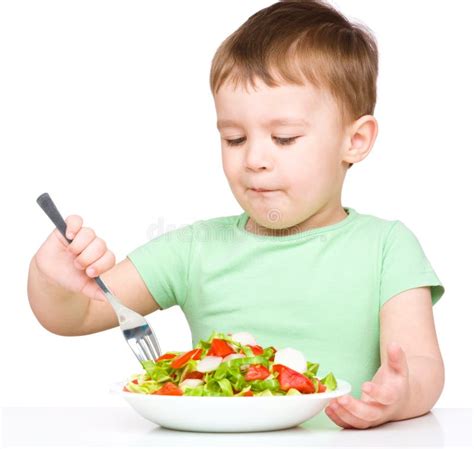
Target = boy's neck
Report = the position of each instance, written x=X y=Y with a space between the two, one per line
x=323 y=217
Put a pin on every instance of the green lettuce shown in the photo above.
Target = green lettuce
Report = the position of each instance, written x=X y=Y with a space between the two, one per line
x=229 y=377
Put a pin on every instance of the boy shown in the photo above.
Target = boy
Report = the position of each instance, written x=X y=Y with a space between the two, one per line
x=295 y=90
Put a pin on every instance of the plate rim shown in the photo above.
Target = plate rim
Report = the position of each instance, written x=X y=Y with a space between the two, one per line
x=345 y=388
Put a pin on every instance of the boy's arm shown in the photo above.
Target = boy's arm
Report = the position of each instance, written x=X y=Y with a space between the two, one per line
x=57 y=309
x=407 y=319
x=410 y=378
x=126 y=284
x=68 y=314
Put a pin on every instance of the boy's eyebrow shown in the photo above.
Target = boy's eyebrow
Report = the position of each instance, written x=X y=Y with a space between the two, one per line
x=276 y=121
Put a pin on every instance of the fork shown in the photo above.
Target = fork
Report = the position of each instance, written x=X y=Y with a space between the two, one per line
x=136 y=330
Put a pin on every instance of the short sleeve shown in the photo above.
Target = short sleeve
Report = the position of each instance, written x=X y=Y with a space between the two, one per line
x=163 y=264
x=405 y=265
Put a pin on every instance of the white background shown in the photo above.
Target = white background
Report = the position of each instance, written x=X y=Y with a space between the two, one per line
x=106 y=105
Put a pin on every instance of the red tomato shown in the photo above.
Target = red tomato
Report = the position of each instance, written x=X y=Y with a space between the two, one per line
x=289 y=378
x=220 y=348
x=126 y=389
x=197 y=355
x=194 y=375
x=248 y=393
x=256 y=372
x=257 y=350
x=166 y=356
x=135 y=381
x=182 y=359
x=169 y=389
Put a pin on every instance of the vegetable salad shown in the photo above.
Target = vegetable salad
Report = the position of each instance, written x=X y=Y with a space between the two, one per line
x=230 y=365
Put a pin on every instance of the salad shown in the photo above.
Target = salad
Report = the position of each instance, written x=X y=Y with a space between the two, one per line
x=230 y=365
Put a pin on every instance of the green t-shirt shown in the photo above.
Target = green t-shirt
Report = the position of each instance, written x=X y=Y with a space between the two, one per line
x=319 y=291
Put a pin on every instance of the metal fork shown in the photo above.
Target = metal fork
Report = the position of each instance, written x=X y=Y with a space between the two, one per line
x=136 y=330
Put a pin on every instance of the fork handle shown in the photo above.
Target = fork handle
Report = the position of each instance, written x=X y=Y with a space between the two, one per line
x=50 y=209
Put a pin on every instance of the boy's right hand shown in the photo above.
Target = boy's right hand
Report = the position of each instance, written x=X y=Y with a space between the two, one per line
x=68 y=264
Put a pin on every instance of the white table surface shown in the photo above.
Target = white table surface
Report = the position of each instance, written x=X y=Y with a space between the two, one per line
x=121 y=426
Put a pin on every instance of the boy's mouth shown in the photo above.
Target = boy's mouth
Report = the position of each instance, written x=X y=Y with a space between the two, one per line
x=262 y=190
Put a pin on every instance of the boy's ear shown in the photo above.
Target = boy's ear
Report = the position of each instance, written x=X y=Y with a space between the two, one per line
x=361 y=138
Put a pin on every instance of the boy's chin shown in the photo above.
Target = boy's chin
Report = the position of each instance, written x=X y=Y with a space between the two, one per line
x=274 y=219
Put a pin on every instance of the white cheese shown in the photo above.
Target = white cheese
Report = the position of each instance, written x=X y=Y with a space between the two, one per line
x=292 y=358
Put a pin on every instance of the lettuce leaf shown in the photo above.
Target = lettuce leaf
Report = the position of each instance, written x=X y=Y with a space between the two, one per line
x=329 y=381
x=227 y=378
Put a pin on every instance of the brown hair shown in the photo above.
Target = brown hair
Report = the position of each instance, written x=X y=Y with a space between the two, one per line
x=305 y=39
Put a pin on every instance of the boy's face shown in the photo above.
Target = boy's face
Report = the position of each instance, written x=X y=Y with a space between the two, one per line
x=305 y=175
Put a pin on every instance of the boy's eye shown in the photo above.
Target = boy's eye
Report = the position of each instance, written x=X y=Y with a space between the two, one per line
x=280 y=141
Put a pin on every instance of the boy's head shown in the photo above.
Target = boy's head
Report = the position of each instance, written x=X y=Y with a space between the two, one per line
x=305 y=62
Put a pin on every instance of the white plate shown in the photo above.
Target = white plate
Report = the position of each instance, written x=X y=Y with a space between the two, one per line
x=229 y=414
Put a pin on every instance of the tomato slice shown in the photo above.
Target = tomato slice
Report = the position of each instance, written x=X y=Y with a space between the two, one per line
x=289 y=378
x=257 y=372
x=220 y=348
x=194 y=375
x=248 y=393
x=169 y=389
x=197 y=354
x=165 y=357
x=257 y=349
x=182 y=359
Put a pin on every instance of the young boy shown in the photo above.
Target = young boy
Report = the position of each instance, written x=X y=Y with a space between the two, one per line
x=295 y=91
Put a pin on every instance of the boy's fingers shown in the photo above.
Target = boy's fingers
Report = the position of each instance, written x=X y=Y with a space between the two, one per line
x=73 y=224
x=337 y=419
x=99 y=295
x=82 y=239
x=105 y=263
x=359 y=409
x=384 y=394
x=349 y=418
x=92 y=252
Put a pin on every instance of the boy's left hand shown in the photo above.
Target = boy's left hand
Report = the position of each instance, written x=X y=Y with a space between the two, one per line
x=381 y=399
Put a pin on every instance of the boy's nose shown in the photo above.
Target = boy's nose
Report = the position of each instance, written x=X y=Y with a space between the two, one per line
x=257 y=157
